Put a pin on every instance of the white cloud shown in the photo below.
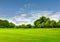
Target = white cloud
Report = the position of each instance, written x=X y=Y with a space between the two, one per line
x=26 y=19
x=29 y=18
x=55 y=16
x=23 y=15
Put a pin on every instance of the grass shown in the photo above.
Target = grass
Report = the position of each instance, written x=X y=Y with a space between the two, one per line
x=29 y=35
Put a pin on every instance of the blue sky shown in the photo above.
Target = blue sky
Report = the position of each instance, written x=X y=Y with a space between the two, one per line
x=27 y=11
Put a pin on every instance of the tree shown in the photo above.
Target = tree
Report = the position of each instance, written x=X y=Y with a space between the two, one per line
x=4 y=24
x=47 y=23
x=44 y=22
x=28 y=26
x=11 y=25
x=37 y=23
x=53 y=24
x=22 y=26
x=41 y=22
x=1 y=23
x=58 y=24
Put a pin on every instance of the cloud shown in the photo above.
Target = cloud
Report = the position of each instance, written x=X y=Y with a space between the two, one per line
x=55 y=16
x=24 y=9
x=22 y=19
x=23 y=15
x=27 y=5
x=28 y=17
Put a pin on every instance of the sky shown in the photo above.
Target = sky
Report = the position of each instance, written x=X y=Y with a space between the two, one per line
x=27 y=11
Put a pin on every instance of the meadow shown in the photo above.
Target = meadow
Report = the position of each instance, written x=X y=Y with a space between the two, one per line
x=29 y=35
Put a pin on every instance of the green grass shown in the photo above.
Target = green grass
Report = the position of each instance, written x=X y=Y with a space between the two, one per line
x=30 y=35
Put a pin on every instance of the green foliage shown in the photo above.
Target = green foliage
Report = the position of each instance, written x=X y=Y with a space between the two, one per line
x=58 y=24
x=21 y=26
x=29 y=26
x=6 y=24
x=42 y=22
x=12 y=25
x=25 y=26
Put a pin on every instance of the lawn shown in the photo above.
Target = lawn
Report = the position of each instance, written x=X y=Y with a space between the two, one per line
x=30 y=35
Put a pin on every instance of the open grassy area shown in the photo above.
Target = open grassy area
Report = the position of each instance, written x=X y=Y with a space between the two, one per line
x=29 y=35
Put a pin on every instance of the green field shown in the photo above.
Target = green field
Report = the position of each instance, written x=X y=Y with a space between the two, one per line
x=29 y=35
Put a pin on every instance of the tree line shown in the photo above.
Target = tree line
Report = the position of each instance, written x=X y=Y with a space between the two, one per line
x=42 y=22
